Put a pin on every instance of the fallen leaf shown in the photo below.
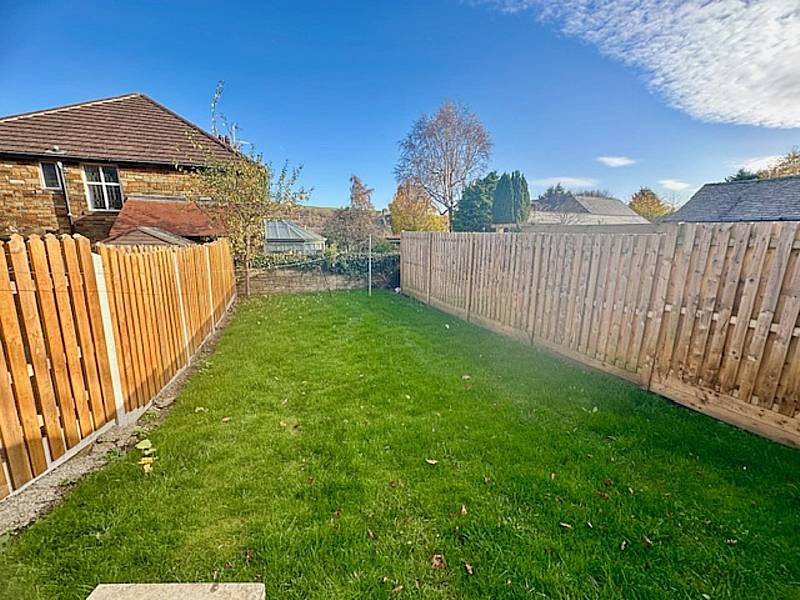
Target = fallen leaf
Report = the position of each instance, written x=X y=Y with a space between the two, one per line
x=408 y=397
x=393 y=483
x=437 y=561
x=589 y=524
x=148 y=468
x=647 y=541
x=200 y=409
x=630 y=491
x=465 y=377
x=565 y=525
x=370 y=534
x=731 y=542
x=552 y=476
x=431 y=461
x=463 y=509
x=623 y=545
x=397 y=589
x=469 y=569
x=225 y=419
x=608 y=482
x=147 y=460
x=145 y=444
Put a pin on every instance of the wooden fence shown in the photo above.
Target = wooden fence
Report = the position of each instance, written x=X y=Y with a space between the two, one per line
x=88 y=340
x=704 y=314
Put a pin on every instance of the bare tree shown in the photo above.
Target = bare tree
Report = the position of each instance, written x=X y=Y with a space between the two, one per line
x=443 y=153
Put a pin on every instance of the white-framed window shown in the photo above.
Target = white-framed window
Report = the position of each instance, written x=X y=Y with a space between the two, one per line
x=103 y=189
x=50 y=178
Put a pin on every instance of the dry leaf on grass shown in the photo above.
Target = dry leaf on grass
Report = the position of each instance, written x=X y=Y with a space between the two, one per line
x=397 y=589
x=200 y=409
x=225 y=419
x=647 y=541
x=393 y=483
x=463 y=509
x=469 y=569
x=431 y=461
x=437 y=561
x=466 y=377
x=565 y=525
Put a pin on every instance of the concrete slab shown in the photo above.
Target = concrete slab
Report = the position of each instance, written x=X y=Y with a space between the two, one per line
x=178 y=591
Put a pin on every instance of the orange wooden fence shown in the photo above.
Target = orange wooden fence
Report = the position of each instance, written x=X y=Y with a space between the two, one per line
x=704 y=314
x=89 y=341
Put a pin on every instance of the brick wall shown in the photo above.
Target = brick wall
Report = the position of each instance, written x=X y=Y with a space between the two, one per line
x=27 y=208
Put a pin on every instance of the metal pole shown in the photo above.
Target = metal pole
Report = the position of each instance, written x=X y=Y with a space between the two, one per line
x=370 y=264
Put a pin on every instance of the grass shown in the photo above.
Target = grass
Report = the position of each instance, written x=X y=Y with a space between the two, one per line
x=297 y=456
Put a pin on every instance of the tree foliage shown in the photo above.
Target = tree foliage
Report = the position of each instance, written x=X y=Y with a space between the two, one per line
x=788 y=164
x=443 y=152
x=351 y=226
x=741 y=175
x=553 y=197
x=241 y=191
x=647 y=204
x=512 y=200
x=474 y=211
x=412 y=210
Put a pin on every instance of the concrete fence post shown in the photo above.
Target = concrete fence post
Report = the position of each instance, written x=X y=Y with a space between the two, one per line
x=108 y=332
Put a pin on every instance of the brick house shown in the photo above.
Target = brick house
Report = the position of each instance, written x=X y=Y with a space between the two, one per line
x=71 y=169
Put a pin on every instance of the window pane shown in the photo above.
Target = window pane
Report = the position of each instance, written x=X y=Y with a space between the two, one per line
x=50 y=176
x=96 y=197
x=92 y=173
x=114 y=196
x=110 y=174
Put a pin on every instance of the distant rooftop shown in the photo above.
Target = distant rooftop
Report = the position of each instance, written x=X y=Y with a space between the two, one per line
x=751 y=200
x=282 y=230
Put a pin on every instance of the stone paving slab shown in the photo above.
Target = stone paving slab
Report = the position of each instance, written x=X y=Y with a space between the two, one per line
x=179 y=591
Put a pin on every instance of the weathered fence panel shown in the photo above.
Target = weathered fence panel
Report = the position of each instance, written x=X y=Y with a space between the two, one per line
x=705 y=314
x=88 y=340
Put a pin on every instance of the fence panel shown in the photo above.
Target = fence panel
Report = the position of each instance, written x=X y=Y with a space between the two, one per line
x=57 y=376
x=705 y=314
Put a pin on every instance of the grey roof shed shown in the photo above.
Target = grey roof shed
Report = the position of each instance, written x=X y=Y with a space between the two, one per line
x=284 y=236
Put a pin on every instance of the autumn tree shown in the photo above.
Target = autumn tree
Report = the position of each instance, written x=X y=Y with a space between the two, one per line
x=412 y=210
x=788 y=164
x=474 y=210
x=647 y=204
x=242 y=191
x=443 y=152
x=352 y=225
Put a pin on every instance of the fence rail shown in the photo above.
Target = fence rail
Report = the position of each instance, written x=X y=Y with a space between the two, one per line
x=89 y=340
x=704 y=314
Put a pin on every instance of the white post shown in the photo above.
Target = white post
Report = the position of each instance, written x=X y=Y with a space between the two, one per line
x=108 y=332
x=180 y=306
x=210 y=289
x=370 y=264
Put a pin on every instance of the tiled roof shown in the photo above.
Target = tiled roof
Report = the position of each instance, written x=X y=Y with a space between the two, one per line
x=286 y=231
x=136 y=235
x=751 y=200
x=179 y=217
x=130 y=128
x=604 y=205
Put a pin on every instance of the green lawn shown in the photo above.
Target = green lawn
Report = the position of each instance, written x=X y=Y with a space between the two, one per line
x=309 y=471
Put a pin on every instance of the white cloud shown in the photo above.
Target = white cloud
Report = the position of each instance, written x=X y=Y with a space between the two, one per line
x=674 y=185
x=615 y=161
x=732 y=61
x=758 y=163
x=565 y=181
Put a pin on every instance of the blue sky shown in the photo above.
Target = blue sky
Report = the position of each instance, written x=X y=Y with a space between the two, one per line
x=335 y=85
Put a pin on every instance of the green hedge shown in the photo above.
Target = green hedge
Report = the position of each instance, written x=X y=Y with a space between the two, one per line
x=385 y=267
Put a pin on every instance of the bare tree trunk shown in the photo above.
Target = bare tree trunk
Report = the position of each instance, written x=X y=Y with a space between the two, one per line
x=450 y=219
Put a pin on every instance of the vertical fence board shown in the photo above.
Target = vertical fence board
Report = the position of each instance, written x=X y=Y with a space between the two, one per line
x=705 y=314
